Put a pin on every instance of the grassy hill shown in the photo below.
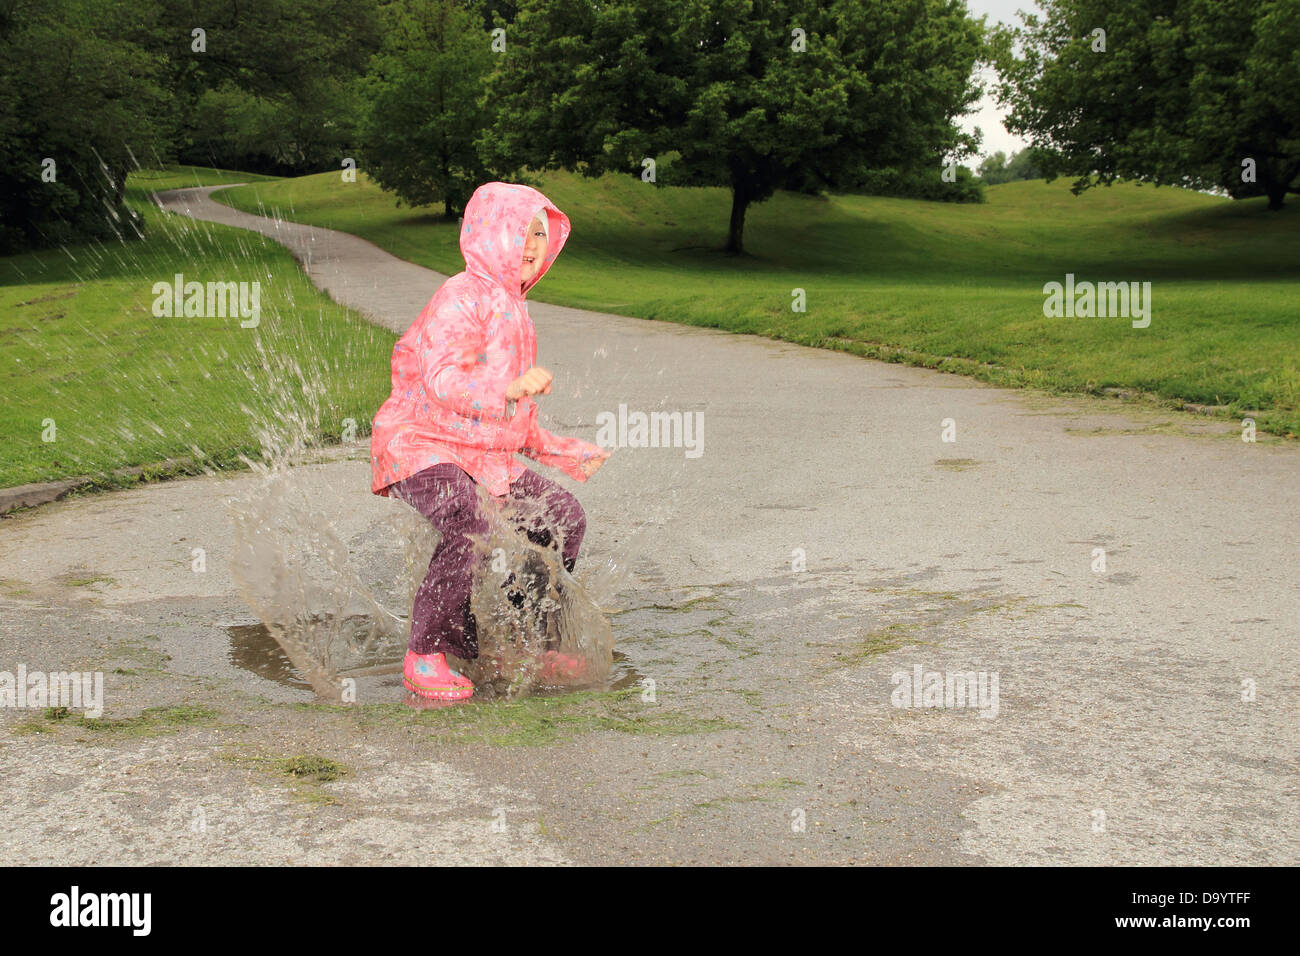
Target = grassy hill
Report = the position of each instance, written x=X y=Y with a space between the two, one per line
x=957 y=287
x=82 y=349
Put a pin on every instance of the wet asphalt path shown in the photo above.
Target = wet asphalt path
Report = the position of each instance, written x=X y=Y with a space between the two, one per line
x=824 y=542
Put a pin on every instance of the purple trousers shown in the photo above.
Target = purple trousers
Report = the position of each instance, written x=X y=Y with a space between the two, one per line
x=441 y=620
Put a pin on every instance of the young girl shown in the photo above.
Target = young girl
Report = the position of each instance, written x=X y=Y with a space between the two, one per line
x=461 y=407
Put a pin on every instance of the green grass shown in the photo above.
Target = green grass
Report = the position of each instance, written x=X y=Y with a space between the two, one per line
x=306 y=773
x=80 y=348
x=179 y=177
x=150 y=722
x=311 y=767
x=82 y=581
x=538 y=720
x=956 y=287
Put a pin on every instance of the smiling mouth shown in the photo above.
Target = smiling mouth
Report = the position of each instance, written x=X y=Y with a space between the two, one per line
x=529 y=259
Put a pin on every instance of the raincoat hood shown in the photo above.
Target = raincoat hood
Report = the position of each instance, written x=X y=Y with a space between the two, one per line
x=493 y=233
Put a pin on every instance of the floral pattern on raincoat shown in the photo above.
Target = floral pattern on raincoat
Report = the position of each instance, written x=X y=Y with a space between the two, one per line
x=452 y=366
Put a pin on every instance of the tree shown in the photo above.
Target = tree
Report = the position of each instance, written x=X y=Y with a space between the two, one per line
x=422 y=92
x=272 y=88
x=103 y=86
x=991 y=168
x=75 y=90
x=1194 y=93
x=752 y=95
x=997 y=168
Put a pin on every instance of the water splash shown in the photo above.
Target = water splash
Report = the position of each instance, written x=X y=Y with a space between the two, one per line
x=311 y=585
x=525 y=603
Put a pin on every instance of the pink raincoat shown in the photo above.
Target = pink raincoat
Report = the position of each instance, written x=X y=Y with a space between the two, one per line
x=452 y=366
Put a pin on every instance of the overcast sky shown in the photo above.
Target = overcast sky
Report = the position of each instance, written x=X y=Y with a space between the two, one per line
x=987 y=117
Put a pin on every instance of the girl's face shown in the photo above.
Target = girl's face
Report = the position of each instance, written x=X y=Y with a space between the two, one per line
x=534 y=252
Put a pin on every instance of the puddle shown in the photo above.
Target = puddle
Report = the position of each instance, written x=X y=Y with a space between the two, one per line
x=623 y=675
x=254 y=648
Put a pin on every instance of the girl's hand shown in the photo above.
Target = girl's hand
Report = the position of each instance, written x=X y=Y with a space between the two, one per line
x=536 y=381
x=592 y=465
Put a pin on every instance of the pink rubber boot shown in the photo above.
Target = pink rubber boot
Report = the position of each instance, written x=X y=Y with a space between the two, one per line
x=429 y=676
x=560 y=668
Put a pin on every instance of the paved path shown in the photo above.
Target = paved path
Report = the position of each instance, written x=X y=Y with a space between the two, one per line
x=825 y=540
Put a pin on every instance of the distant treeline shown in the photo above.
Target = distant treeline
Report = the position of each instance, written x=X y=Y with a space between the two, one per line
x=433 y=97
x=998 y=168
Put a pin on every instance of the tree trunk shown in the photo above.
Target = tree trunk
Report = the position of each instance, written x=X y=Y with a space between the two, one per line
x=736 y=231
x=1276 y=194
x=117 y=176
x=1274 y=186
